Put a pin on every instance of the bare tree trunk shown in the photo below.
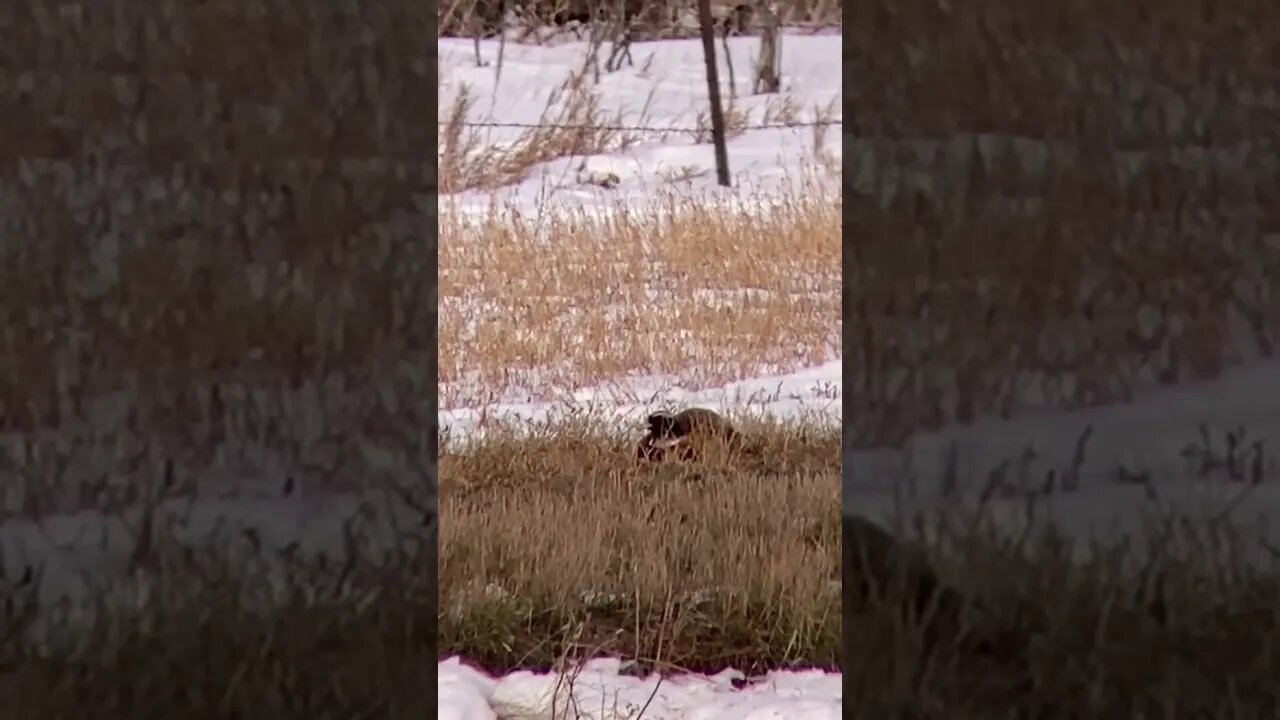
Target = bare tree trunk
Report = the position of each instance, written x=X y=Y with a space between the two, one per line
x=768 y=79
x=476 y=25
x=728 y=61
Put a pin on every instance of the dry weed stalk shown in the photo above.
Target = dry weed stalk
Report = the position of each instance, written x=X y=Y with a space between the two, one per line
x=571 y=125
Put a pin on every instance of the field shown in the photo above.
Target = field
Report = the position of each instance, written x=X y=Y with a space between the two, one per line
x=554 y=547
x=1132 y=571
x=1060 y=352
x=216 y=361
x=591 y=275
x=1060 y=232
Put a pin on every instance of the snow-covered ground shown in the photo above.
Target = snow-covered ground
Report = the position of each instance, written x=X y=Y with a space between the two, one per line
x=666 y=89
x=1110 y=474
x=812 y=394
x=599 y=690
x=1158 y=435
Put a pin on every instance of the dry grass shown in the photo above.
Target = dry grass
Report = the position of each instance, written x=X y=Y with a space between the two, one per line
x=650 y=19
x=211 y=269
x=1104 y=286
x=1053 y=206
x=200 y=250
x=1188 y=635
x=207 y=308
x=200 y=653
x=554 y=550
x=229 y=227
x=1089 y=193
x=557 y=543
x=571 y=125
x=708 y=293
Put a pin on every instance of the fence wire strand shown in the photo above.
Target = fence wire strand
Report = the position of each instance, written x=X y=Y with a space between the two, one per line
x=643 y=128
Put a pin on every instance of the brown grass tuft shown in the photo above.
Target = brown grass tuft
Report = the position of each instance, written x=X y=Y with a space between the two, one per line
x=1078 y=633
x=558 y=540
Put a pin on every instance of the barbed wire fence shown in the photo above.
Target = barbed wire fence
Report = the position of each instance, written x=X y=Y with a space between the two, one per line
x=644 y=128
x=700 y=135
x=761 y=16
x=579 y=32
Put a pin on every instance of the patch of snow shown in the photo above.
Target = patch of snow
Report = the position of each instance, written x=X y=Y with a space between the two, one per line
x=599 y=690
x=1112 y=474
x=463 y=692
x=812 y=394
x=78 y=558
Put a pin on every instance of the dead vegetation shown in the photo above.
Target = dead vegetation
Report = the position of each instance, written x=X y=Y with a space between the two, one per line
x=705 y=291
x=559 y=549
x=572 y=125
x=1055 y=208
x=340 y=640
x=1049 y=612
x=559 y=542
x=212 y=274
x=1053 y=632
x=640 y=19
x=482 y=152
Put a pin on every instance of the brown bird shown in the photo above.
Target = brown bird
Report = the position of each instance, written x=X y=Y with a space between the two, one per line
x=685 y=434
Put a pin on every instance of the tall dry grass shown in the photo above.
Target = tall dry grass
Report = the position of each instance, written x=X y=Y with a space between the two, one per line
x=341 y=640
x=572 y=124
x=211 y=271
x=1056 y=208
x=707 y=293
x=1058 y=628
x=556 y=542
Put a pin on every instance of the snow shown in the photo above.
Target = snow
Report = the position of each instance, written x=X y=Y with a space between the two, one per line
x=811 y=394
x=1160 y=435
x=599 y=690
x=1072 y=471
x=81 y=557
x=1157 y=434
x=665 y=89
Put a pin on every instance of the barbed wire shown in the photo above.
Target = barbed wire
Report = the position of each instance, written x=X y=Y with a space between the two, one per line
x=645 y=128
x=568 y=29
